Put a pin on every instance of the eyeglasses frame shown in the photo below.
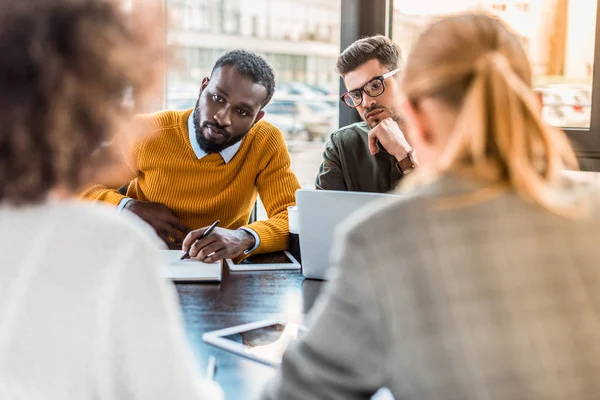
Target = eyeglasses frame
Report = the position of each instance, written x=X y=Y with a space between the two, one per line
x=362 y=88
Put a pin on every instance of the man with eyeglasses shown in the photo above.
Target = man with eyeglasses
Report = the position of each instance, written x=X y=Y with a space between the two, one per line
x=372 y=155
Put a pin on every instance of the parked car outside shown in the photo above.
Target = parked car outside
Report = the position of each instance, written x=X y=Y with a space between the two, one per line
x=302 y=118
x=566 y=105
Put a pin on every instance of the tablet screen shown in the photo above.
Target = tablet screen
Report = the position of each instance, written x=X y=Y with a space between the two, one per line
x=268 y=342
x=280 y=260
x=259 y=336
x=279 y=257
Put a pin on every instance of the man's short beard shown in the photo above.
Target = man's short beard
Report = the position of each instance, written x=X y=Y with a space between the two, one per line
x=392 y=113
x=208 y=146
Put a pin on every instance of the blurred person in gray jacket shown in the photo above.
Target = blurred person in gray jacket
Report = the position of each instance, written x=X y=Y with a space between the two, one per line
x=481 y=283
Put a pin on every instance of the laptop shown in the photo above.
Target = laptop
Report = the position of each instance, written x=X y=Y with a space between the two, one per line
x=319 y=212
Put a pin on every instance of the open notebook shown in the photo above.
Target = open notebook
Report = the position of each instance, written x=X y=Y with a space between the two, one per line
x=189 y=270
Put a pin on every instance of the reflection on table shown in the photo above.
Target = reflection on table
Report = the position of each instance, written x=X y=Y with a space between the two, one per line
x=242 y=297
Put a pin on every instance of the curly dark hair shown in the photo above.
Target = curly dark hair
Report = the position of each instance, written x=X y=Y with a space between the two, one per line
x=251 y=65
x=64 y=70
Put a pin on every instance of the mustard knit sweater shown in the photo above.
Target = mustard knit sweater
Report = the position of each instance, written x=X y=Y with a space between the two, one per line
x=166 y=170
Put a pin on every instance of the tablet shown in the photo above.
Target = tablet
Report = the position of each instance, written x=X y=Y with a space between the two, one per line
x=266 y=262
x=262 y=341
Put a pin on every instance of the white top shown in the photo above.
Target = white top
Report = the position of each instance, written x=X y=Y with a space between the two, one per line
x=84 y=311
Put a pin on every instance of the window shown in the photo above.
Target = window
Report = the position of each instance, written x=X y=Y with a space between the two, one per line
x=559 y=36
x=230 y=16
x=299 y=38
x=523 y=7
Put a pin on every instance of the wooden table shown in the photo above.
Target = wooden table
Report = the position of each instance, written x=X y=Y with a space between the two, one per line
x=240 y=298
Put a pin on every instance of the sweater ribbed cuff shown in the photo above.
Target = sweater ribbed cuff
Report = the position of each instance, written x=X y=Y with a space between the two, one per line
x=273 y=234
x=103 y=194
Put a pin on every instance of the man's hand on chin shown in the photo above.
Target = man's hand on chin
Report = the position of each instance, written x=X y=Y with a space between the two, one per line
x=218 y=245
x=389 y=135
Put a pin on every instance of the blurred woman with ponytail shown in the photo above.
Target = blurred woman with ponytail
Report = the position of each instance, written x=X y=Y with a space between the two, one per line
x=481 y=281
x=472 y=112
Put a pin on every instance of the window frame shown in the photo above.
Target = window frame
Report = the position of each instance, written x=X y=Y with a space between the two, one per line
x=587 y=141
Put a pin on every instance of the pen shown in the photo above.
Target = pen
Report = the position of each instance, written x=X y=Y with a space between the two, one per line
x=206 y=232
x=211 y=367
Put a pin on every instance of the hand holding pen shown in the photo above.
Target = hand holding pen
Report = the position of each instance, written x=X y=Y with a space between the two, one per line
x=206 y=233
x=220 y=244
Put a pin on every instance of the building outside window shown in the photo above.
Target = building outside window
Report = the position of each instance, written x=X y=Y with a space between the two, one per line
x=557 y=34
x=230 y=17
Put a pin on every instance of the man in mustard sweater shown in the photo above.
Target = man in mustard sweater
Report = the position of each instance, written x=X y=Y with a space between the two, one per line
x=190 y=168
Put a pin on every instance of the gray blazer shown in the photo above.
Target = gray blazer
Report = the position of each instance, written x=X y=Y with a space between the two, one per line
x=498 y=300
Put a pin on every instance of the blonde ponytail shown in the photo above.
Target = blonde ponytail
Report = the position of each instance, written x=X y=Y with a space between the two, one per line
x=499 y=136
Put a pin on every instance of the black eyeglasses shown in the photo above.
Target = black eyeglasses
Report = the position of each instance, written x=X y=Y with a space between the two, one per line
x=373 y=88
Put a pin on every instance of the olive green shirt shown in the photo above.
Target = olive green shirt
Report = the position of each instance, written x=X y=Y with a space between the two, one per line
x=348 y=164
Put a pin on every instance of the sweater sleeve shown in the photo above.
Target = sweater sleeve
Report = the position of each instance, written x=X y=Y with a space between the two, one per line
x=102 y=193
x=122 y=155
x=331 y=176
x=277 y=185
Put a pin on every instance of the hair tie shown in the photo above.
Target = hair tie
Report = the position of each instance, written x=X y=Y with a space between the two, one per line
x=494 y=58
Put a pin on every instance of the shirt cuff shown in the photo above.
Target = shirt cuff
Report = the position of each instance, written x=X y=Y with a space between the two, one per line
x=123 y=203
x=256 y=239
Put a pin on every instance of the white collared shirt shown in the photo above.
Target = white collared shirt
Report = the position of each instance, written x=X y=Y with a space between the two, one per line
x=227 y=154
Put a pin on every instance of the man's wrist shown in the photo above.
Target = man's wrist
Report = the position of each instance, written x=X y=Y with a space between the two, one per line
x=402 y=153
x=248 y=240
x=407 y=164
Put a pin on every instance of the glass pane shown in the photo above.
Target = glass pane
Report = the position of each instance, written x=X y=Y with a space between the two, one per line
x=299 y=38
x=557 y=34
